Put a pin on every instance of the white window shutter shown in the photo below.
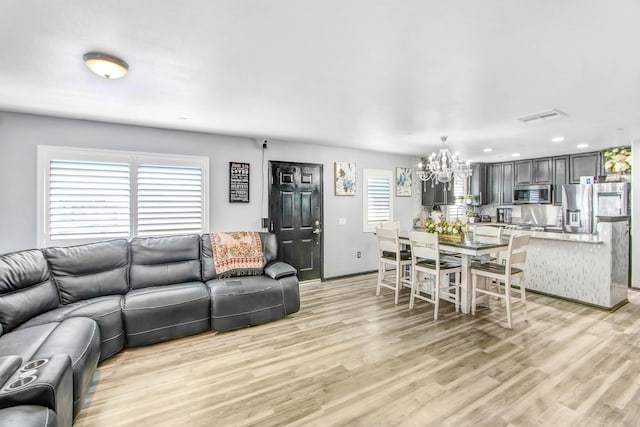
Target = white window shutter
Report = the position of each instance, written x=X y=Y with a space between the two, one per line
x=378 y=198
x=170 y=200
x=455 y=212
x=88 y=200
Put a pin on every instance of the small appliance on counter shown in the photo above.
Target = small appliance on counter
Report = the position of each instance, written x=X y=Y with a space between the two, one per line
x=504 y=215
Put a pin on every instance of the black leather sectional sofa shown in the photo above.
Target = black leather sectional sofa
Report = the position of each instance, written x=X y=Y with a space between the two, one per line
x=64 y=309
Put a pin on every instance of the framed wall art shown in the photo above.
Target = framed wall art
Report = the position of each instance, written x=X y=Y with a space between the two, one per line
x=404 y=182
x=238 y=182
x=345 y=179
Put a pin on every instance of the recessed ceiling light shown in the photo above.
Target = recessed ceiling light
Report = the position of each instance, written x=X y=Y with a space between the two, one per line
x=557 y=139
x=105 y=65
x=582 y=145
x=516 y=154
x=488 y=150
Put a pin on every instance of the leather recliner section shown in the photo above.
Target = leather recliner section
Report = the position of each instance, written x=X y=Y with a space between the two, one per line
x=246 y=301
x=89 y=271
x=28 y=416
x=167 y=299
x=107 y=313
x=52 y=386
x=162 y=313
x=91 y=279
x=26 y=288
x=78 y=337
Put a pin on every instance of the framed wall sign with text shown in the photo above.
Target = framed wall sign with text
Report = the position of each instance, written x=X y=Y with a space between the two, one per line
x=238 y=182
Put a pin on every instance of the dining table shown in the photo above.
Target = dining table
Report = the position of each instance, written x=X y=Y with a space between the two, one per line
x=482 y=247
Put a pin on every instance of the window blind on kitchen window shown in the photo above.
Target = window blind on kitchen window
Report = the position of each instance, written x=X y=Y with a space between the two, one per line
x=377 y=200
x=458 y=209
x=169 y=200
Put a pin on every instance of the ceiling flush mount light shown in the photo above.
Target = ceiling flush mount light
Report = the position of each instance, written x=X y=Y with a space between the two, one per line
x=582 y=145
x=105 y=65
x=516 y=154
x=557 y=139
x=487 y=150
x=443 y=167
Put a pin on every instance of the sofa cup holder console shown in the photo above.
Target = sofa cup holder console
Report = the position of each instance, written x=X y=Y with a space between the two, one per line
x=34 y=364
x=20 y=383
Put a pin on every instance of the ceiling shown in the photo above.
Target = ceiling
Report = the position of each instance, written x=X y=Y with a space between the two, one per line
x=389 y=75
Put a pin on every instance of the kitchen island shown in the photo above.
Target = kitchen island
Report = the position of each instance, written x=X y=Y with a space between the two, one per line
x=588 y=268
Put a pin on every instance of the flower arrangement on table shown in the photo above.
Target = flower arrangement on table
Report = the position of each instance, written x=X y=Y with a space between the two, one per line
x=617 y=160
x=450 y=231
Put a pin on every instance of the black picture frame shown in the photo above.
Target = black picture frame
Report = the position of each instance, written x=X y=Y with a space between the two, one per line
x=239 y=182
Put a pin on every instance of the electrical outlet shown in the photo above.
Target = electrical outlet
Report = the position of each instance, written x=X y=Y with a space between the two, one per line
x=358 y=254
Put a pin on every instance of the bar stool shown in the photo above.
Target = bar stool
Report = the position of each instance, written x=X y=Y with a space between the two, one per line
x=425 y=258
x=389 y=253
x=503 y=273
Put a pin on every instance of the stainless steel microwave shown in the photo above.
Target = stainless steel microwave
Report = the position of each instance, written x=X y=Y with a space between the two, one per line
x=523 y=194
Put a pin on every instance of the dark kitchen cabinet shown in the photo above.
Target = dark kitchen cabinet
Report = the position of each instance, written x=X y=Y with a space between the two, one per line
x=478 y=183
x=587 y=164
x=536 y=171
x=560 y=177
x=500 y=182
x=542 y=171
x=427 y=194
x=523 y=171
x=493 y=182
x=437 y=195
x=507 y=183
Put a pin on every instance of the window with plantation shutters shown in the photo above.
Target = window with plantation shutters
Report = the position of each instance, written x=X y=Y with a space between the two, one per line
x=88 y=200
x=457 y=211
x=89 y=195
x=377 y=199
x=169 y=200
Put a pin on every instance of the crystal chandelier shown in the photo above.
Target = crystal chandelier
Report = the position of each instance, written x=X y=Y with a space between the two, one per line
x=443 y=167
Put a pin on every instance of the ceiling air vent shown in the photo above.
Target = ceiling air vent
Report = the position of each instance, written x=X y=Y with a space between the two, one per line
x=542 y=117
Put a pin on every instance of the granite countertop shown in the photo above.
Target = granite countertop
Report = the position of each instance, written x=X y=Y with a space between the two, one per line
x=567 y=237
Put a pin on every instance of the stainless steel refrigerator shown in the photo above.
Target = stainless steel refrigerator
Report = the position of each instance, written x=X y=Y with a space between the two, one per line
x=611 y=199
x=582 y=204
x=577 y=205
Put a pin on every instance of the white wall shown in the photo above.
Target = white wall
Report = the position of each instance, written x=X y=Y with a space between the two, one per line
x=20 y=134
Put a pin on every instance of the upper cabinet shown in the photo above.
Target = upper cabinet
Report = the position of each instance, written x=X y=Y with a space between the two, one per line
x=587 y=164
x=478 y=183
x=523 y=172
x=439 y=194
x=500 y=183
x=536 y=171
x=542 y=171
x=493 y=183
x=560 y=177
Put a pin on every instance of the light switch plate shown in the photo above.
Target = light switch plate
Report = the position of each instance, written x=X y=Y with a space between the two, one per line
x=342 y=221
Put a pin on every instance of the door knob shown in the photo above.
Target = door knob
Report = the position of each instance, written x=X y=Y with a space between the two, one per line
x=317 y=231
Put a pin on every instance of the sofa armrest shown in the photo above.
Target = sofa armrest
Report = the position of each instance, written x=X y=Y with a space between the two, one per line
x=279 y=269
x=8 y=365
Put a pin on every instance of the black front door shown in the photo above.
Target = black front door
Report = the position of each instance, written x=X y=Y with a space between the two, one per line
x=295 y=209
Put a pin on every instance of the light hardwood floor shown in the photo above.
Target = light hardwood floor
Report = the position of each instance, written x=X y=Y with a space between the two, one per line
x=351 y=358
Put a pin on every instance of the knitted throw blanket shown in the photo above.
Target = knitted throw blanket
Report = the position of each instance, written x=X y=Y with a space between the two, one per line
x=238 y=252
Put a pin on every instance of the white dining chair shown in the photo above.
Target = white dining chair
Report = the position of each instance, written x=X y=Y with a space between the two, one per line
x=425 y=258
x=390 y=224
x=504 y=276
x=488 y=234
x=390 y=254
